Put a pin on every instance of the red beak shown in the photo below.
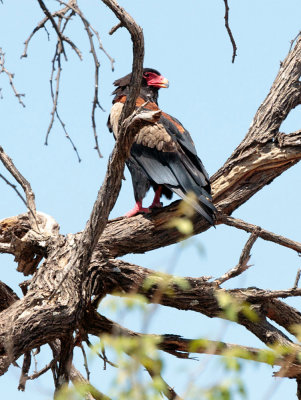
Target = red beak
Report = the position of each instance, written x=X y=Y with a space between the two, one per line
x=158 y=81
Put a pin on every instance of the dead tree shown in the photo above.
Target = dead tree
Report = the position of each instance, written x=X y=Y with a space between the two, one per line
x=71 y=274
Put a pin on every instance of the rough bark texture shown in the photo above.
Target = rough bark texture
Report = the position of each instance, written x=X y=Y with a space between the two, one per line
x=79 y=269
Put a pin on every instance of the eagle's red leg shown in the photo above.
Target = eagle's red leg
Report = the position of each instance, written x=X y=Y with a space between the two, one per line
x=137 y=209
x=156 y=202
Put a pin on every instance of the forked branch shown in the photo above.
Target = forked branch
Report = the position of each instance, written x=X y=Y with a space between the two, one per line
x=243 y=261
x=10 y=76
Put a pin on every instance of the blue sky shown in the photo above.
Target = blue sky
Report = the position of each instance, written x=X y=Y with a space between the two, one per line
x=214 y=99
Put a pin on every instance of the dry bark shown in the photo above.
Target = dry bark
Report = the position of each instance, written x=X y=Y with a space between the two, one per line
x=79 y=269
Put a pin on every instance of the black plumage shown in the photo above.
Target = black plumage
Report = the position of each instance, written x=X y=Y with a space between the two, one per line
x=163 y=154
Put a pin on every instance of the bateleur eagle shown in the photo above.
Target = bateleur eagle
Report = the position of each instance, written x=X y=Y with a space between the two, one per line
x=163 y=154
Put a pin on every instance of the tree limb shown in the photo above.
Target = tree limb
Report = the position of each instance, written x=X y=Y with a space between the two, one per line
x=10 y=77
x=75 y=268
x=30 y=197
x=229 y=30
x=243 y=261
x=262 y=233
x=199 y=295
x=109 y=190
x=263 y=163
x=180 y=347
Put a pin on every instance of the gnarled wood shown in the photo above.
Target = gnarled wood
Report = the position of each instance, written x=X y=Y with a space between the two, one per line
x=79 y=266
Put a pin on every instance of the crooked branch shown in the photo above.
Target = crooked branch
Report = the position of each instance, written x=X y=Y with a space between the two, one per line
x=90 y=32
x=198 y=294
x=229 y=30
x=180 y=347
x=262 y=233
x=56 y=65
x=109 y=191
x=10 y=77
x=243 y=260
x=30 y=197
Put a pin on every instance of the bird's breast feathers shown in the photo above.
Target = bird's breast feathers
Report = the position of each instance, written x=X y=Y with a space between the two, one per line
x=152 y=135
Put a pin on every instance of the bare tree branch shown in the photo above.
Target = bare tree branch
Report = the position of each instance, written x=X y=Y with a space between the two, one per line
x=297 y=279
x=37 y=374
x=25 y=369
x=243 y=260
x=109 y=191
x=167 y=390
x=92 y=392
x=60 y=13
x=90 y=31
x=65 y=362
x=180 y=347
x=115 y=28
x=262 y=233
x=298 y=388
x=61 y=37
x=85 y=361
x=10 y=77
x=30 y=197
x=56 y=65
x=263 y=164
x=72 y=8
x=14 y=187
x=199 y=296
x=229 y=30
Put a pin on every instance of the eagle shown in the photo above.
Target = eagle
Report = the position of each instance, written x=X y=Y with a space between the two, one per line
x=163 y=155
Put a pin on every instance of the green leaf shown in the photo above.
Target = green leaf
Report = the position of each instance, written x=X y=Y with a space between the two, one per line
x=183 y=225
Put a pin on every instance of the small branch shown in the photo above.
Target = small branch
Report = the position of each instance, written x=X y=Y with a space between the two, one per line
x=56 y=64
x=25 y=369
x=297 y=279
x=298 y=380
x=251 y=294
x=178 y=346
x=34 y=354
x=30 y=197
x=92 y=393
x=42 y=371
x=229 y=30
x=114 y=29
x=86 y=23
x=40 y=25
x=243 y=260
x=102 y=356
x=76 y=377
x=85 y=362
x=14 y=187
x=167 y=390
x=24 y=286
x=138 y=56
x=10 y=77
x=293 y=41
x=262 y=233
x=54 y=24
x=65 y=362
x=89 y=29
